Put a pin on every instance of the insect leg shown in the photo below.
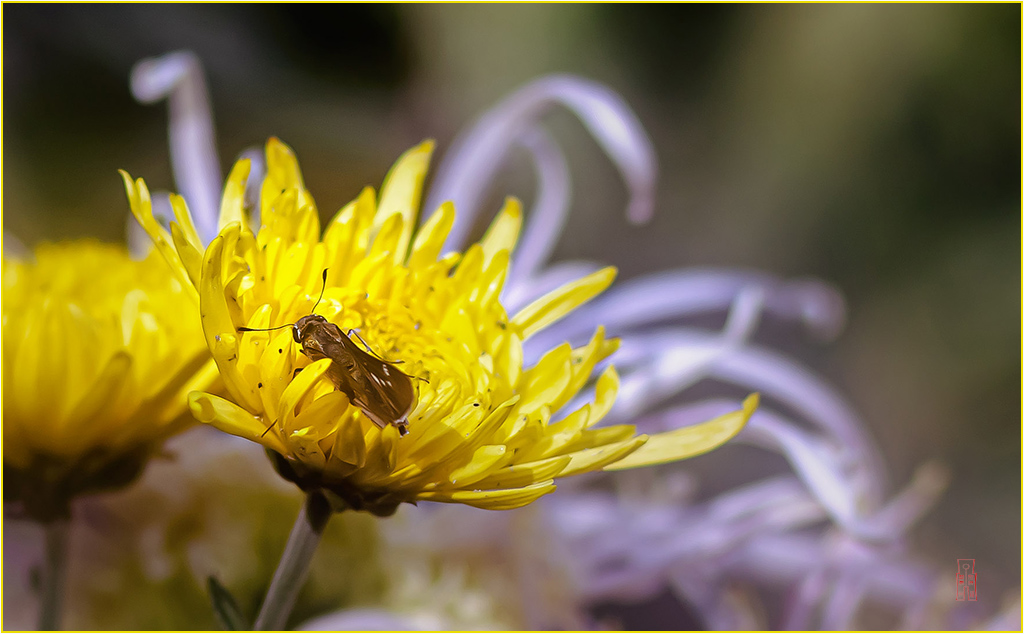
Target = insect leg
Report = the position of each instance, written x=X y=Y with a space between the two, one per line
x=352 y=331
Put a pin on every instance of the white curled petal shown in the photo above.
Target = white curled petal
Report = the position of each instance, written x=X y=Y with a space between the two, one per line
x=655 y=366
x=178 y=77
x=719 y=527
x=819 y=305
x=672 y=368
x=815 y=462
x=778 y=377
x=785 y=558
x=782 y=558
x=627 y=548
x=762 y=497
x=549 y=212
x=834 y=482
x=471 y=163
x=744 y=315
x=682 y=293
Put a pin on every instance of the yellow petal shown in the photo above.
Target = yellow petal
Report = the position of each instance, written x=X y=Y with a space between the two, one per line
x=232 y=419
x=184 y=219
x=388 y=237
x=558 y=436
x=485 y=291
x=276 y=367
x=348 y=234
x=483 y=461
x=561 y=301
x=520 y=475
x=546 y=381
x=191 y=257
x=431 y=236
x=349 y=444
x=142 y=208
x=401 y=193
x=504 y=230
x=102 y=395
x=323 y=414
x=298 y=388
x=597 y=457
x=232 y=204
x=500 y=500
x=689 y=441
x=304 y=445
x=604 y=394
x=282 y=174
x=582 y=362
x=217 y=324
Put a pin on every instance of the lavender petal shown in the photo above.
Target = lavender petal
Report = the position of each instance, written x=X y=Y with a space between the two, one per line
x=475 y=157
x=178 y=77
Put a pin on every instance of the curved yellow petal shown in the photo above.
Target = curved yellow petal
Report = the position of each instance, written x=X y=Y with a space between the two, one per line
x=232 y=419
x=689 y=441
x=504 y=230
x=218 y=327
x=498 y=500
x=232 y=204
x=431 y=236
x=142 y=208
x=413 y=336
x=561 y=301
x=401 y=193
x=98 y=351
x=595 y=458
x=520 y=475
x=184 y=219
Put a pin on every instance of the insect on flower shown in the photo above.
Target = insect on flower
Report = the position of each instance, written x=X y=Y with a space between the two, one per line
x=382 y=391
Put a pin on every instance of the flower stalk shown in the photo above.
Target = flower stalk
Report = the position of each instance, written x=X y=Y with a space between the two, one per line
x=294 y=565
x=55 y=535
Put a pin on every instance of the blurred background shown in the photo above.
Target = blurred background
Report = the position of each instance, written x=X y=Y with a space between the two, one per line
x=874 y=146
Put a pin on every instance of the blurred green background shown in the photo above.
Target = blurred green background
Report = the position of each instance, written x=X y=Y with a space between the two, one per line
x=874 y=146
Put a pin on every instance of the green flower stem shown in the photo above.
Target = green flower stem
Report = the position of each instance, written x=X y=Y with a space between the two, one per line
x=294 y=565
x=54 y=572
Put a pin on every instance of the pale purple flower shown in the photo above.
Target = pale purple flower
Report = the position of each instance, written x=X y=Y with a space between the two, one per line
x=828 y=533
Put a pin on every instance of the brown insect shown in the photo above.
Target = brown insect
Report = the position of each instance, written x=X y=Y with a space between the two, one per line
x=382 y=391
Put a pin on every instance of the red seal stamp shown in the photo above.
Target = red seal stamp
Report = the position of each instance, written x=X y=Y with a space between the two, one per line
x=966 y=580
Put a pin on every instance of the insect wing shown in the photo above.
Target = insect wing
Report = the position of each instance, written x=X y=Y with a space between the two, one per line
x=383 y=392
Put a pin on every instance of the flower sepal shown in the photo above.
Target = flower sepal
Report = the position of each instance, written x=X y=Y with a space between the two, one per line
x=341 y=495
x=46 y=487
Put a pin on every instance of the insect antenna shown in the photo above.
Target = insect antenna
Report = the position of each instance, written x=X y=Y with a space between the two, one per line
x=322 y=289
x=244 y=329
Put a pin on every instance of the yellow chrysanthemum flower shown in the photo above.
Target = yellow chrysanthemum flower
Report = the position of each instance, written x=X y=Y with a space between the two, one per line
x=484 y=430
x=99 y=353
